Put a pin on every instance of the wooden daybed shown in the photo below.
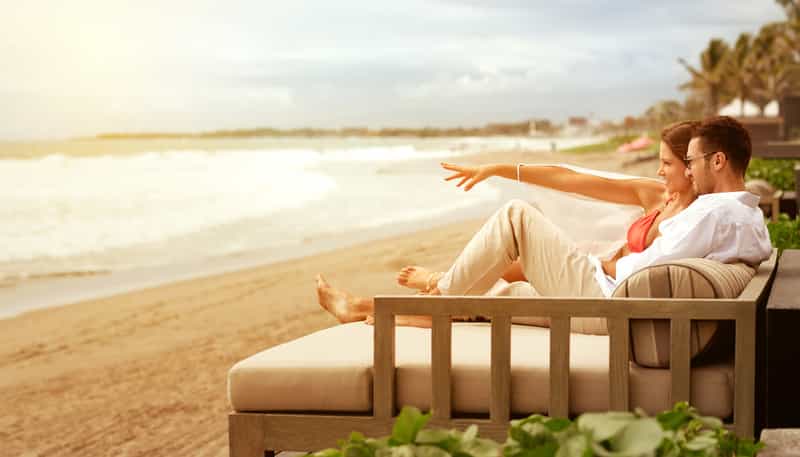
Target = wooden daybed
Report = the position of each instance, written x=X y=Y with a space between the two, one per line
x=671 y=338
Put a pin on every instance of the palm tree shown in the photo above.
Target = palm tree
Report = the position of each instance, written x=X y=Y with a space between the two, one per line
x=662 y=113
x=792 y=8
x=693 y=107
x=791 y=36
x=740 y=69
x=776 y=72
x=710 y=79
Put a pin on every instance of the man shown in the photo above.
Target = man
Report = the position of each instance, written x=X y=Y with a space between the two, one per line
x=725 y=222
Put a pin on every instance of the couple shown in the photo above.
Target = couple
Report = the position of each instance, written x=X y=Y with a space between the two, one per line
x=701 y=209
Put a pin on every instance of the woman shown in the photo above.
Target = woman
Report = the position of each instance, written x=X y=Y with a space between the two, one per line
x=659 y=200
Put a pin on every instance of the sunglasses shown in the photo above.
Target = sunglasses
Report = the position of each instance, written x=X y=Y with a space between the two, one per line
x=688 y=160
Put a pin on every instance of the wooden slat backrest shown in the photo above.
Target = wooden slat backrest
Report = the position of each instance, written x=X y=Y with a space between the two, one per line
x=441 y=360
x=617 y=311
x=680 y=359
x=559 y=367
x=500 y=395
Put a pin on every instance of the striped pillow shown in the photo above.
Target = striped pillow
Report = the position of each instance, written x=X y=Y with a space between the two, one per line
x=688 y=278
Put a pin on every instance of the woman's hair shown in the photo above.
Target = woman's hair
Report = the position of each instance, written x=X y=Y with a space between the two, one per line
x=678 y=135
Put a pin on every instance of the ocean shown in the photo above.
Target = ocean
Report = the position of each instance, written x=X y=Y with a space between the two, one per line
x=87 y=207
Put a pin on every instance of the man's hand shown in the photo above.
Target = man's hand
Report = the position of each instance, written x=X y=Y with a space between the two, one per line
x=469 y=175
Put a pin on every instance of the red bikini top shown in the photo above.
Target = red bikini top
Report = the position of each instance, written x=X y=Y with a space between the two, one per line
x=637 y=233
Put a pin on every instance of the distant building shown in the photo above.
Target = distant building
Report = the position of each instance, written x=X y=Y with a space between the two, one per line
x=540 y=127
x=578 y=121
x=577 y=126
x=790 y=112
x=735 y=108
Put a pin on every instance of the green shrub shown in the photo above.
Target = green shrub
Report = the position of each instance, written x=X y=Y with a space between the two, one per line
x=680 y=432
x=785 y=232
x=778 y=172
x=609 y=145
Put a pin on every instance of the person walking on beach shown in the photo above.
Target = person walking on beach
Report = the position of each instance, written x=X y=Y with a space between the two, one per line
x=723 y=223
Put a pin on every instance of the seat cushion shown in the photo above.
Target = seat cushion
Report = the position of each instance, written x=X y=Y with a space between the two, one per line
x=688 y=278
x=331 y=371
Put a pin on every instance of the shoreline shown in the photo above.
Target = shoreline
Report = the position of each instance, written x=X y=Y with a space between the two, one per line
x=18 y=296
x=65 y=289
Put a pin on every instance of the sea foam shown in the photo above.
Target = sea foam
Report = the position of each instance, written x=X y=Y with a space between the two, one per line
x=62 y=206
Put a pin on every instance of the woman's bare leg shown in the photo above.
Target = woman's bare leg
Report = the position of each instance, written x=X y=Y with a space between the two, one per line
x=419 y=278
x=344 y=306
x=347 y=307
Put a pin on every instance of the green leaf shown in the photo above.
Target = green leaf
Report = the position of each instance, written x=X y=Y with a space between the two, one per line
x=531 y=434
x=511 y=448
x=668 y=447
x=700 y=443
x=481 y=447
x=535 y=428
x=711 y=422
x=746 y=448
x=641 y=436
x=406 y=450
x=604 y=425
x=574 y=446
x=378 y=442
x=408 y=423
x=430 y=436
x=557 y=425
x=470 y=433
x=357 y=450
x=546 y=450
x=672 y=420
x=330 y=452
x=430 y=451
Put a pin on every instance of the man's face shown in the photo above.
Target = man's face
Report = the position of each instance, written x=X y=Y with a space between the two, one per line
x=698 y=168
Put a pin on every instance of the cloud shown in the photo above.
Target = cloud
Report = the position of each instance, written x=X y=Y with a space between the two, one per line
x=113 y=65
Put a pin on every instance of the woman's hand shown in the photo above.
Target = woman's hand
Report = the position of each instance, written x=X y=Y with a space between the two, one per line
x=469 y=175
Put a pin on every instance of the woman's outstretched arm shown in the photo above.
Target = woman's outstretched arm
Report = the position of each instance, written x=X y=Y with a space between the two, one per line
x=646 y=193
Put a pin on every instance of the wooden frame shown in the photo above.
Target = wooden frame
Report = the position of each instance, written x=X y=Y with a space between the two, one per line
x=254 y=434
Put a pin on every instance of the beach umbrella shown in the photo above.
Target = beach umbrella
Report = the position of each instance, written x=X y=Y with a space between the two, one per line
x=639 y=144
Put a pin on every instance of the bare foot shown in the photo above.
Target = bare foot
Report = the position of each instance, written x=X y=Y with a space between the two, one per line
x=344 y=306
x=419 y=278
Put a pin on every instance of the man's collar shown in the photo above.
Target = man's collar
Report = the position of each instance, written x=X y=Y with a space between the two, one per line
x=747 y=198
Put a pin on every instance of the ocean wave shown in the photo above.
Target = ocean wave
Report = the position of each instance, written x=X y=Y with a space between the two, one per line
x=61 y=206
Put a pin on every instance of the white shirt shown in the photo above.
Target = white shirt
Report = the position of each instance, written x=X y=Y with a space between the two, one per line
x=724 y=226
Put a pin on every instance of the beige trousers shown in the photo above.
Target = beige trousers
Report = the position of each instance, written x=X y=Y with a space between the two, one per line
x=550 y=260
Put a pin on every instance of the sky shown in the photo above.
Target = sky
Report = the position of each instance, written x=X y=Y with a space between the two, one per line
x=88 y=66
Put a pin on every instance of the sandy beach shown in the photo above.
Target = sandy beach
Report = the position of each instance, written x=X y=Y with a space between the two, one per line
x=144 y=373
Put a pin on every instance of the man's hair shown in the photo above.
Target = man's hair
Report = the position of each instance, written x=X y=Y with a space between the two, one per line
x=725 y=134
x=678 y=135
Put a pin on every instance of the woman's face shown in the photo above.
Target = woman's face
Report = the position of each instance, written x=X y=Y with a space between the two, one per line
x=673 y=170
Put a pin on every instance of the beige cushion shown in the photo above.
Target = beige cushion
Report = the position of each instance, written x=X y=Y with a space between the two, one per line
x=331 y=370
x=688 y=278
